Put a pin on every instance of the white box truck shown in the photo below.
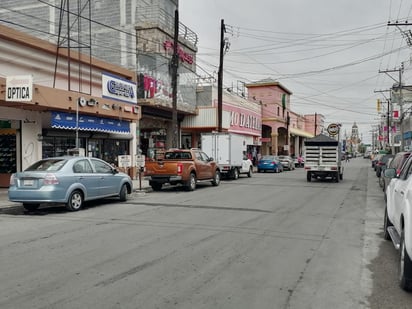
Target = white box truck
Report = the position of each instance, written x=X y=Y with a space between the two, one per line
x=229 y=151
x=323 y=158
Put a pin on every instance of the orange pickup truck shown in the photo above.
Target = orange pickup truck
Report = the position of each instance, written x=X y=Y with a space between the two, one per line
x=182 y=166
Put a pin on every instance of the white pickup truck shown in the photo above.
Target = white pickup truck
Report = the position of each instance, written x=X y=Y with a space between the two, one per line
x=398 y=219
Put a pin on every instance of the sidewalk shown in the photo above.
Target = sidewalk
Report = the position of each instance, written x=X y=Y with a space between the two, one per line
x=5 y=203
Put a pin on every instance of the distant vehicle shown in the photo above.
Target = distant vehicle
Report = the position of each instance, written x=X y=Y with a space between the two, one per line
x=287 y=162
x=367 y=155
x=185 y=167
x=68 y=180
x=381 y=163
x=228 y=150
x=323 y=158
x=375 y=159
x=269 y=163
x=299 y=161
x=398 y=219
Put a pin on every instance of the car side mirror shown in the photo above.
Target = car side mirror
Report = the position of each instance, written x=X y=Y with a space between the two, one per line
x=211 y=159
x=390 y=173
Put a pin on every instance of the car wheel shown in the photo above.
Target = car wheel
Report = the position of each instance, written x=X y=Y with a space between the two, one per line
x=386 y=223
x=405 y=266
x=31 y=207
x=216 y=179
x=249 y=174
x=191 y=183
x=235 y=173
x=123 y=193
x=259 y=171
x=75 y=201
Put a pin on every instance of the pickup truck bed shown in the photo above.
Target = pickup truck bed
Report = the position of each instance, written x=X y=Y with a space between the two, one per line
x=185 y=167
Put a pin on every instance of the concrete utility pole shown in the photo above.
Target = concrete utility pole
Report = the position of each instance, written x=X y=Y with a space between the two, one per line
x=174 y=67
x=399 y=86
x=220 y=77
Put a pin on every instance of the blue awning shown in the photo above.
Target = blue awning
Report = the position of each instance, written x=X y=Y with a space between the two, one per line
x=89 y=123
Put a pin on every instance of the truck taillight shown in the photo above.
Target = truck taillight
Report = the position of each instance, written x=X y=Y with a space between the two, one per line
x=179 y=168
x=50 y=179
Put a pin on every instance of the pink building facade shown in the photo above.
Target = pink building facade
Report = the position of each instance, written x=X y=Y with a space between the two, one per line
x=283 y=131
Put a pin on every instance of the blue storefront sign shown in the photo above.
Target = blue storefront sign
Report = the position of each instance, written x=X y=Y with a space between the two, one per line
x=68 y=121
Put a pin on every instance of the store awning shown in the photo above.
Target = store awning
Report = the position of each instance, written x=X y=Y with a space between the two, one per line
x=299 y=132
x=89 y=123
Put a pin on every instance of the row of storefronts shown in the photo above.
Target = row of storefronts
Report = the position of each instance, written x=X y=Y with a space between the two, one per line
x=49 y=106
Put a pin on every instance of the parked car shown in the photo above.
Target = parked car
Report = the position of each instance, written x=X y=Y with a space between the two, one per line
x=269 y=163
x=381 y=163
x=398 y=219
x=68 y=180
x=375 y=159
x=287 y=162
x=397 y=162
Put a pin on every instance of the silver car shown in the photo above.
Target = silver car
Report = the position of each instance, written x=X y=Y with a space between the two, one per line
x=287 y=162
x=69 y=180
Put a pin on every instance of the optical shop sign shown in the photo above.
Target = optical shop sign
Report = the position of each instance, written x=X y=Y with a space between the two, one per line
x=19 y=88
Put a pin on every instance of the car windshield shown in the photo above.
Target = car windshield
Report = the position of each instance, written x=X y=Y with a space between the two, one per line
x=49 y=165
x=267 y=158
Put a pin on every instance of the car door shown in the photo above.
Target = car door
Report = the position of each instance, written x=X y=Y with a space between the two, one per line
x=108 y=182
x=84 y=174
x=399 y=190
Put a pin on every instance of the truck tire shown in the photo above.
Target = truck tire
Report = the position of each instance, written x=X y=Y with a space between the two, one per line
x=235 y=173
x=308 y=176
x=386 y=223
x=249 y=174
x=405 y=266
x=337 y=177
x=191 y=183
x=216 y=179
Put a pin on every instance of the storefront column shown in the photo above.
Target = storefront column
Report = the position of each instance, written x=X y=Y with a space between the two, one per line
x=134 y=144
x=298 y=151
x=274 y=143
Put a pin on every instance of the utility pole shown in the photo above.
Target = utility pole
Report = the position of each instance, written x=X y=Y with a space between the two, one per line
x=220 y=77
x=174 y=67
x=399 y=86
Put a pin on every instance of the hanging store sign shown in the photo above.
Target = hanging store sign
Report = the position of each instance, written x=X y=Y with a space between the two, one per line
x=183 y=56
x=19 y=88
x=119 y=89
x=333 y=129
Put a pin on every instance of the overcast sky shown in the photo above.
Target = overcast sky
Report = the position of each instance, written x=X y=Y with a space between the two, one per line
x=328 y=53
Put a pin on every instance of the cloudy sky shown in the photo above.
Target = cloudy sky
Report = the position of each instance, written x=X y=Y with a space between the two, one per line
x=328 y=53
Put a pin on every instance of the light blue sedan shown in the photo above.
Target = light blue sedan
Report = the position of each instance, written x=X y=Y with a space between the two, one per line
x=69 y=180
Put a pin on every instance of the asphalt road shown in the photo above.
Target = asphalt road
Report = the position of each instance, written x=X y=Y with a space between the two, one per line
x=270 y=241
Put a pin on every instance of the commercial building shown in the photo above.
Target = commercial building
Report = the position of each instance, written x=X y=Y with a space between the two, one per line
x=52 y=101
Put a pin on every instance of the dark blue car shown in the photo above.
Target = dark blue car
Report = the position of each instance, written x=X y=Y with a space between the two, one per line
x=269 y=163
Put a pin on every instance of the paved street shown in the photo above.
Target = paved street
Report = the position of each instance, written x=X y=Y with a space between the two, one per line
x=270 y=241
